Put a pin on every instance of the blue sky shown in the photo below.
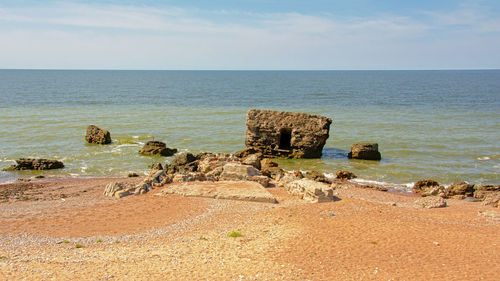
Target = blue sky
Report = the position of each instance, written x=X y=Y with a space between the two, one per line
x=224 y=34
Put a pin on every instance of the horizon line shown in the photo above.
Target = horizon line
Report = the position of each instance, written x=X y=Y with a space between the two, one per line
x=126 y=69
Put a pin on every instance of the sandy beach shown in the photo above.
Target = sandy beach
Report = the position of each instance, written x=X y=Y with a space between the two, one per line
x=66 y=229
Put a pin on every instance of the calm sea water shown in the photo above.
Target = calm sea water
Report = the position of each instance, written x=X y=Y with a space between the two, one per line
x=443 y=125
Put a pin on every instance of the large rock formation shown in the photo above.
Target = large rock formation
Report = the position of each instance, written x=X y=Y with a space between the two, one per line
x=97 y=135
x=36 y=164
x=157 y=148
x=366 y=151
x=286 y=134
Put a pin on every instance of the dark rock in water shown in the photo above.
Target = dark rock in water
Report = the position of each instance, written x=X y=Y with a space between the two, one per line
x=345 y=175
x=317 y=176
x=460 y=188
x=36 y=164
x=183 y=159
x=365 y=151
x=157 y=148
x=133 y=175
x=97 y=135
x=286 y=134
x=428 y=188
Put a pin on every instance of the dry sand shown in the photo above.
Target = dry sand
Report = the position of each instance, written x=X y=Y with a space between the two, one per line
x=367 y=235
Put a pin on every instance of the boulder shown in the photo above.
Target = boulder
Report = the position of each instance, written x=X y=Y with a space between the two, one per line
x=36 y=164
x=157 y=148
x=366 y=151
x=460 y=188
x=345 y=175
x=245 y=152
x=428 y=188
x=97 y=135
x=233 y=171
x=156 y=166
x=430 y=202
x=310 y=190
x=118 y=189
x=492 y=199
x=267 y=163
x=188 y=177
x=286 y=134
x=253 y=160
x=183 y=163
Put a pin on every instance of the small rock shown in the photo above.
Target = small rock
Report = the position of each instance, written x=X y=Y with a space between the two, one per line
x=428 y=188
x=156 y=166
x=430 y=202
x=366 y=151
x=460 y=188
x=233 y=171
x=267 y=163
x=157 y=148
x=97 y=135
x=345 y=175
x=133 y=175
x=311 y=190
x=253 y=160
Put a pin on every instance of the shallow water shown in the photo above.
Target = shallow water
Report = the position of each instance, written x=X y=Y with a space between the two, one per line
x=429 y=124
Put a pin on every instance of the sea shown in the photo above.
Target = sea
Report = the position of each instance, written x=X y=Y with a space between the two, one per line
x=442 y=125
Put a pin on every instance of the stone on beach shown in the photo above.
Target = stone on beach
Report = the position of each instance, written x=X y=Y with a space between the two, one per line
x=428 y=188
x=97 y=135
x=232 y=171
x=240 y=190
x=157 y=148
x=36 y=164
x=286 y=134
x=365 y=151
x=430 y=202
x=460 y=188
x=310 y=190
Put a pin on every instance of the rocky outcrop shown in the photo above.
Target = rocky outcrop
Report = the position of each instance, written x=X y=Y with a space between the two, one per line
x=119 y=189
x=35 y=164
x=310 y=190
x=232 y=171
x=460 y=189
x=286 y=134
x=345 y=175
x=97 y=135
x=489 y=194
x=317 y=176
x=430 y=202
x=157 y=148
x=429 y=188
x=365 y=151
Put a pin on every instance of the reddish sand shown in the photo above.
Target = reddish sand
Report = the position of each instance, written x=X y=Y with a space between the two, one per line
x=361 y=237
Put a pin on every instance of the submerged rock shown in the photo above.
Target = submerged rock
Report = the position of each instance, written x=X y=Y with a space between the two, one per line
x=366 y=151
x=97 y=135
x=157 y=148
x=35 y=164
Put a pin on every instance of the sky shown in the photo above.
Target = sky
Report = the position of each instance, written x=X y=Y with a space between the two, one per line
x=250 y=34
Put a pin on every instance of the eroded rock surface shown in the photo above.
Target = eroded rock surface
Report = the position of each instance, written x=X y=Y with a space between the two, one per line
x=286 y=134
x=157 y=148
x=97 y=135
x=365 y=151
x=310 y=190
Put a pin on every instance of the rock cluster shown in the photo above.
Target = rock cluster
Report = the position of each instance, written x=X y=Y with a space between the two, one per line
x=430 y=202
x=97 y=135
x=488 y=194
x=366 y=151
x=286 y=134
x=35 y=164
x=157 y=148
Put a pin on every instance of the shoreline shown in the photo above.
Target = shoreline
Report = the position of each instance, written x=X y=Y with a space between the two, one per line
x=367 y=234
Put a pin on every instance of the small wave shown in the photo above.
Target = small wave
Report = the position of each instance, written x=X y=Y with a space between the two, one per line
x=401 y=187
x=127 y=144
x=489 y=157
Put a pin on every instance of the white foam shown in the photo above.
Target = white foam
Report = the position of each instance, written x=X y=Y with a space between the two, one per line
x=127 y=144
x=483 y=158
